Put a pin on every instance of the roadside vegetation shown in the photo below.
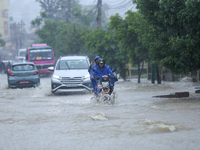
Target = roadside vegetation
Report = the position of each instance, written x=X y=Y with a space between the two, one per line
x=162 y=32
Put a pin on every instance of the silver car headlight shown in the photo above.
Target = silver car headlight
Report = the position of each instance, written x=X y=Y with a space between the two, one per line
x=86 y=76
x=57 y=77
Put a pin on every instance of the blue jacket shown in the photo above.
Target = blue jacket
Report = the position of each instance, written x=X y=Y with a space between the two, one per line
x=101 y=71
x=112 y=82
x=90 y=68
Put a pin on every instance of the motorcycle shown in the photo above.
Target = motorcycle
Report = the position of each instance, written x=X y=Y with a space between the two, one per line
x=104 y=93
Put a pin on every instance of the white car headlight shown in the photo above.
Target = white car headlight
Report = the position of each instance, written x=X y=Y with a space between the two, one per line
x=57 y=77
x=86 y=76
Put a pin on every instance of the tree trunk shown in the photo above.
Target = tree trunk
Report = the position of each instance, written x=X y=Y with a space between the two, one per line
x=142 y=67
x=158 y=75
x=139 y=72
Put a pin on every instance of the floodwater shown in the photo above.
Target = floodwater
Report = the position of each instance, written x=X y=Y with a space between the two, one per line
x=34 y=119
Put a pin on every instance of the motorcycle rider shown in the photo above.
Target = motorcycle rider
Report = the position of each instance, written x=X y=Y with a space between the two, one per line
x=102 y=69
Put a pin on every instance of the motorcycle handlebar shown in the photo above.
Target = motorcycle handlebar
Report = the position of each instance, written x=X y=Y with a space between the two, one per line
x=111 y=77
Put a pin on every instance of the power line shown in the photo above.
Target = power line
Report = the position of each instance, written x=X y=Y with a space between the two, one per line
x=119 y=4
x=123 y=6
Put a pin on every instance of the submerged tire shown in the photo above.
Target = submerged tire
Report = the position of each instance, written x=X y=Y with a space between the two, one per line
x=112 y=101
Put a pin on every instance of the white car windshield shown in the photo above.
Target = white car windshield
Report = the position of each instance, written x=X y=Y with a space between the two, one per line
x=72 y=64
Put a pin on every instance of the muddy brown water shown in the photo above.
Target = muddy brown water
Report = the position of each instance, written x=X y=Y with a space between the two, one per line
x=33 y=118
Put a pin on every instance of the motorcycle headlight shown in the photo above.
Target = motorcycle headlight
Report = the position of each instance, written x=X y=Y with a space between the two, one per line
x=105 y=84
x=57 y=77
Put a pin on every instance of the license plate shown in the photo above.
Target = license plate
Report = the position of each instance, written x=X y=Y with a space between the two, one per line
x=23 y=82
x=71 y=85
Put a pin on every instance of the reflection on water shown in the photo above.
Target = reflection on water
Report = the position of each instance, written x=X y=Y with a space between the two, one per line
x=99 y=116
x=33 y=118
x=159 y=126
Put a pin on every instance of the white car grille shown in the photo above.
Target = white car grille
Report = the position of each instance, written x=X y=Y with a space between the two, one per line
x=71 y=80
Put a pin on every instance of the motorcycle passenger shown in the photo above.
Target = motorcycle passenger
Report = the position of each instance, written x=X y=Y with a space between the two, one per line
x=91 y=64
x=102 y=69
x=94 y=84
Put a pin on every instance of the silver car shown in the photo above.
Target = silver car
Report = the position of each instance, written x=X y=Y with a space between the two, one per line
x=70 y=74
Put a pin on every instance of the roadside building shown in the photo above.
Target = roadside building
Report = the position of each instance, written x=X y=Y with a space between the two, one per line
x=4 y=20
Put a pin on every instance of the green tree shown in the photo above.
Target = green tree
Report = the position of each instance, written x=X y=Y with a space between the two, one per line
x=173 y=28
x=66 y=39
x=128 y=39
x=47 y=33
x=139 y=25
x=102 y=43
x=69 y=39
x=56 y=10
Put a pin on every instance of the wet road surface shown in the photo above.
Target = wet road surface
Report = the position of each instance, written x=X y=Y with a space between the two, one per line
x=33 y=118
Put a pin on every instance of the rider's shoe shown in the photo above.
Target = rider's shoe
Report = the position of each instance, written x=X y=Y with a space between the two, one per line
x=111 y=91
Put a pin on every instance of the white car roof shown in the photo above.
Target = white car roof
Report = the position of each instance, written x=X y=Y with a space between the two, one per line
x=73 y=57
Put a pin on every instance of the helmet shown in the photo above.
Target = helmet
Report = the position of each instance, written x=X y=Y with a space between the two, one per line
x=101 y=61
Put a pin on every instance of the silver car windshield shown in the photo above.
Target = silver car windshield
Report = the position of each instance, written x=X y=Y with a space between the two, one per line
x=72 y=64
x=23 y=67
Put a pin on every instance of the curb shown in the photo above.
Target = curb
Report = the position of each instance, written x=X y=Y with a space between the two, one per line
x=174 y=95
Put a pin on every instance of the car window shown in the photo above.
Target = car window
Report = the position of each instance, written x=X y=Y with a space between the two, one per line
x=72 y=64
x=23 y=67
x=41 y=54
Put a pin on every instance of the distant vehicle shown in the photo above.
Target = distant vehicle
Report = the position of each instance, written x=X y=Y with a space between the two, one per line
x=23 y=74
x=71 y=75
x=21 y=55
x=42 y=56
x=6 y=62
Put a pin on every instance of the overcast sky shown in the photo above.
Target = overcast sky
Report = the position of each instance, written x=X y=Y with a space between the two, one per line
x=28 y=10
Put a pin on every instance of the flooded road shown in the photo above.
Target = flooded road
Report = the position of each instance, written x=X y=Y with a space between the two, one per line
x=33 y=118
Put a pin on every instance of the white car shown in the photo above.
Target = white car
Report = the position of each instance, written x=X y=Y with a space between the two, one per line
x=70 y=74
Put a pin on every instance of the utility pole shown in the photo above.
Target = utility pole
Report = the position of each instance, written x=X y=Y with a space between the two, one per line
x=69 y=12
x=21 y=37
x=16 y=35
x=99 y=6
x=62 y=10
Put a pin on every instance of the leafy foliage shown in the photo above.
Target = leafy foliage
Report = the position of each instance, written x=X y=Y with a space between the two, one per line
x=69 y=39
x=127 y=37
x=66 y=39
x=102 y=43
x=174 y=30
x=47 y=33
x=56 y=10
